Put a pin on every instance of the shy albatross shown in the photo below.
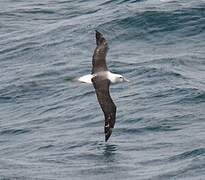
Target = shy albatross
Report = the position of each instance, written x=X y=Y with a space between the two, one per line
x=101 y=78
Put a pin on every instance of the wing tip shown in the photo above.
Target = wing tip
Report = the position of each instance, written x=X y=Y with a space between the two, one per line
x=108 y=134
x=99 y=37
x=98 y=33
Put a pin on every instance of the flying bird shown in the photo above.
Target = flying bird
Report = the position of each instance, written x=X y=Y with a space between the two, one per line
x=101 y=78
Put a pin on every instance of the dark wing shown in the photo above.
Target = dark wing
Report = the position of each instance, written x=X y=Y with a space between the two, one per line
x=106 y=103
x=99 y=56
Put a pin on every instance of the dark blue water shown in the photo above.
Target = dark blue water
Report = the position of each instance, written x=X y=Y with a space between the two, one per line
x=51 y=127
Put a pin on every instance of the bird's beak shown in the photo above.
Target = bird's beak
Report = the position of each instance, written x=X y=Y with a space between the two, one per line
x=126 y=80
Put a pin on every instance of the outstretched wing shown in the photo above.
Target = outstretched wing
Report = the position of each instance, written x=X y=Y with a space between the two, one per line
x=99 y=56
x=107 y=105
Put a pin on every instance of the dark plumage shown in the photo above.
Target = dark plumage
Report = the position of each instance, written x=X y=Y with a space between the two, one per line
x=99 y=56
x=101 y=84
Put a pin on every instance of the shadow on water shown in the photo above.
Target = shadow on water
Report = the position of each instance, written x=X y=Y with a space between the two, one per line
x=109 y=152
x=103 y=158
x=100 y=151
x=69 y=78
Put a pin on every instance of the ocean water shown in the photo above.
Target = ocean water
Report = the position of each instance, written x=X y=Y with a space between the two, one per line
x=51 y=127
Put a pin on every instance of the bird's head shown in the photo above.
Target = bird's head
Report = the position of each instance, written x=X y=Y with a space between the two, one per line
x=120 y=78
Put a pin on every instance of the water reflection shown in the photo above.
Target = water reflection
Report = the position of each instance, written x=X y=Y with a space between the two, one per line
x=109 y=152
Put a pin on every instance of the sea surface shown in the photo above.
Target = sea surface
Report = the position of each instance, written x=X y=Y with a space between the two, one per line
x=51 y=126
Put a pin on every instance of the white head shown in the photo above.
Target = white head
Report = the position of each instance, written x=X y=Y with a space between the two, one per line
x=116 y=78
x=120 y=78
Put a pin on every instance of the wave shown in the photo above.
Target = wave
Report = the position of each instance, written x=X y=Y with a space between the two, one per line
x=14 y=131
x=188 y=154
